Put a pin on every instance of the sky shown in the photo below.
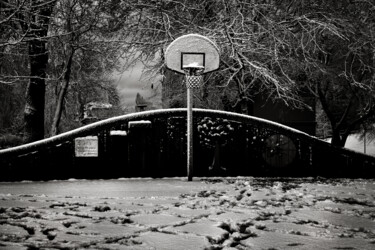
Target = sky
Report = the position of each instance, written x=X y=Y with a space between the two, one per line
x=129 y=83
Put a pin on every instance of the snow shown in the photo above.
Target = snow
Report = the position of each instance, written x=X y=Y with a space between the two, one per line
x=354 y=143
x=118 y=132
x=172 y=213
x=142 y=123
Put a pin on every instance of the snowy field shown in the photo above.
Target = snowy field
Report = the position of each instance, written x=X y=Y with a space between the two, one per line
x=213 y=213
x=355 y=144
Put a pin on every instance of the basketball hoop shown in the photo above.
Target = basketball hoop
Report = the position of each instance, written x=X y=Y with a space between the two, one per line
x=192 y=55
x=193 y=76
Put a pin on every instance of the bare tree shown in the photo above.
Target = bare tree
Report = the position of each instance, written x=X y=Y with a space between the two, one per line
x=345 y=83
x=26 y=22
x=83 y=46
x=60 y=41
x=279 y=48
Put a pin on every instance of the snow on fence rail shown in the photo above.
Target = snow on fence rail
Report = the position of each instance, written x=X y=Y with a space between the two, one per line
x=154 y=144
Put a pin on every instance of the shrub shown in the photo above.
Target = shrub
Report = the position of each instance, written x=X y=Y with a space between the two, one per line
x=10 y=140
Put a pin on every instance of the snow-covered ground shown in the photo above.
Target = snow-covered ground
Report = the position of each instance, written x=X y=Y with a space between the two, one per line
x=213 y=213
x=355 y=144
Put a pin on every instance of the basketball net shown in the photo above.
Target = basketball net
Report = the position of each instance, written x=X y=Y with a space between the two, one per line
x=193 y=78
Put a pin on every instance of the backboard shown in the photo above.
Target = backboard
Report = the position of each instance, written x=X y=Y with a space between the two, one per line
x=192 y=50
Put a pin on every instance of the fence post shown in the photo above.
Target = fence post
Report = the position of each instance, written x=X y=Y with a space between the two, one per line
x=139 y=141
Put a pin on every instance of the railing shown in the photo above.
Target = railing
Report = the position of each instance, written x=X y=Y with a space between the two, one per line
x=153 y=144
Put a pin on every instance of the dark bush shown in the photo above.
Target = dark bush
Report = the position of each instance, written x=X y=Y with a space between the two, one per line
x=10 y=140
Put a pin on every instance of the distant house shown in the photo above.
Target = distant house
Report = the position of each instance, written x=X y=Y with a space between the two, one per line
x=141 y=104
x=96 y=111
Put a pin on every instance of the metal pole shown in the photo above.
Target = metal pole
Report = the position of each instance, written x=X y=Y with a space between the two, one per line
x=364 y=139
x=190 y=134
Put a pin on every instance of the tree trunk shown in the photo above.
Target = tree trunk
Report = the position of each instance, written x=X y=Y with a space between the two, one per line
x=62 y=94
x=216 y=167
x=38 y=56
x=35 y=92
x=65 y=85
x=338 y=139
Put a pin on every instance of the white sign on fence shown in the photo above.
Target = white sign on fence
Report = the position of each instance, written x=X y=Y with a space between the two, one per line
x=86 y=146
